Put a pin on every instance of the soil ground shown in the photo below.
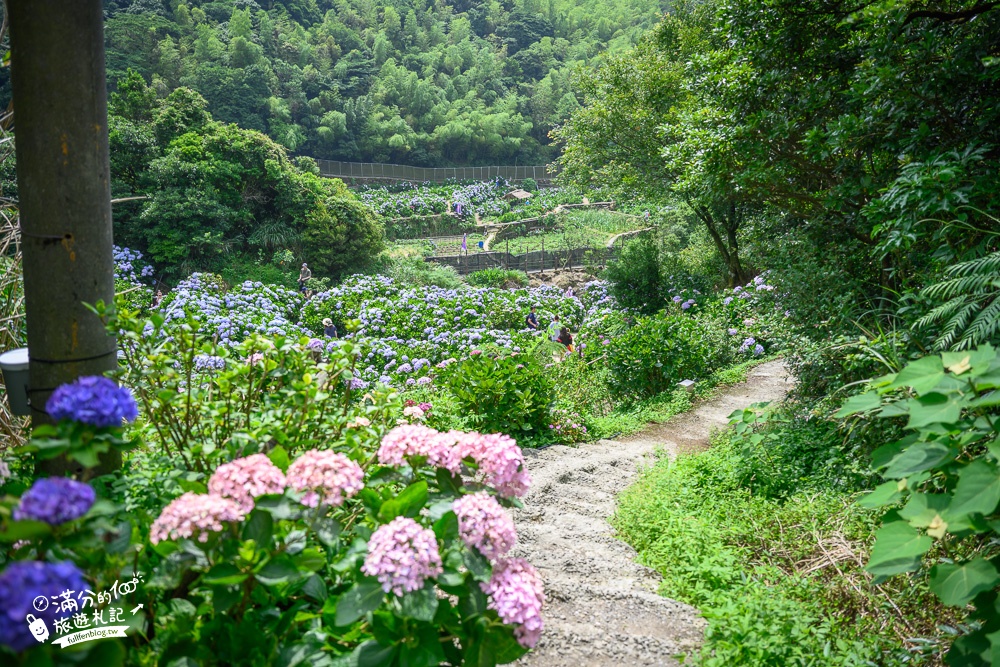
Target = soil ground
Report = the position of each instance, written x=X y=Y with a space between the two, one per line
x=602 y=608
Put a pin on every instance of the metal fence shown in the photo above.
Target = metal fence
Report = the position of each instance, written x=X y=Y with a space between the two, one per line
x=399 y=172
x=530 y=262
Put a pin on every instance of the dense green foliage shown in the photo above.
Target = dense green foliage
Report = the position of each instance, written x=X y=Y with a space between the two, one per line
x=777 y=578
x=218 y=195
x=406 y=82
x=503 y=393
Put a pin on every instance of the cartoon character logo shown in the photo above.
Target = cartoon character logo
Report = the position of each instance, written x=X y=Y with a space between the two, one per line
x=39 y=630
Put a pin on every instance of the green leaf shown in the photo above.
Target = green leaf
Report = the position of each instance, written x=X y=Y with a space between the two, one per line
x=978 y=490
x=923 y=507
x=224 y=574
x=24 y=530
x=935 y=408
x=279 y=457
x=427 y=653
x=860 y=403
x=408 y=503
x=898 y=548
x=373 y=654
x=918 y=457
x=420 y=605
x=259 y=528
x=921 y=375
x=957 y=584
x=882 y=495
x=279 y=570
x=362 y=598
x=446 y=528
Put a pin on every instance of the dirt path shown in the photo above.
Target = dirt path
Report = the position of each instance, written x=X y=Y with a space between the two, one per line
x=602 y=609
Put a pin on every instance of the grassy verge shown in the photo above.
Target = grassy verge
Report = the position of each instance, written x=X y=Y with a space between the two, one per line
x=779 y=578
x=629 y=419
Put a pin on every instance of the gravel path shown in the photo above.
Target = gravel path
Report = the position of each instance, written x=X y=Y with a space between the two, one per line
x=602 y=608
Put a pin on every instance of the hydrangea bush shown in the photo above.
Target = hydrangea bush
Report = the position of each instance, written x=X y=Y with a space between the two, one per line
x=371 y=549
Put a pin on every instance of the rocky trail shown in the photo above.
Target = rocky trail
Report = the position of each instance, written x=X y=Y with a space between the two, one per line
x=602 y=608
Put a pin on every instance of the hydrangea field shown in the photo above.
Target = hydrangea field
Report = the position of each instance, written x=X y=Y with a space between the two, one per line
x=485 y=199
x=295 y=498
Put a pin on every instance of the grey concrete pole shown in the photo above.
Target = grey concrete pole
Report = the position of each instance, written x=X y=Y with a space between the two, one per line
x=63 y=176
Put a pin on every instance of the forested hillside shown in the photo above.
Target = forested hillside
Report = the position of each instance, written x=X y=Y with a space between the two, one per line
x=406 y=81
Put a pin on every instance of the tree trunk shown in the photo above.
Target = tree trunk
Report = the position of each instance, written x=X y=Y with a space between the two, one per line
x=63 y=177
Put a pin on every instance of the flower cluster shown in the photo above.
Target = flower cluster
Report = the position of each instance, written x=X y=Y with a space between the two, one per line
x=328 y=478
x=499 y=459
x=484 y=525
x=194 y=514
x=208 y=362
x=243 y=480
x=411 y=440
x=516 y=594
x=20 y=583
x=130 y=266
x=402 y=555
x=93 y=400
x=55 y=500
x=233 y=315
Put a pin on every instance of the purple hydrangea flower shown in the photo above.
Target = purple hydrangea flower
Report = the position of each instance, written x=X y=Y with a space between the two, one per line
x=758 y=350
x=20 y=584
x=55 y=500
x=93 y=400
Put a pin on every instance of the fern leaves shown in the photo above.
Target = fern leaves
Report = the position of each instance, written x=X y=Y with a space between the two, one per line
x=970 y=314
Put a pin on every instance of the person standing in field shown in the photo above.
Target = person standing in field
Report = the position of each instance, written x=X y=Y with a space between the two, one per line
x=532 y=320
x=304 y=275
x=554 y=327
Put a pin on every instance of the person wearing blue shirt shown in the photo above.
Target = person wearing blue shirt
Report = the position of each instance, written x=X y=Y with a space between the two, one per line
x=532 y=319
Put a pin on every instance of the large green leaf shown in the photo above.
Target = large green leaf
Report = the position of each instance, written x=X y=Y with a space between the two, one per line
x=860 y=403
x=935 y=408
x=882 y=495
x=420 y=605
x=957 y=584
x=921 y=375
x=898 y=548
x=408 y=503
x=978 y=490
x=224 y=574
x=918 y=457
x=279 y=570
x=362 y=598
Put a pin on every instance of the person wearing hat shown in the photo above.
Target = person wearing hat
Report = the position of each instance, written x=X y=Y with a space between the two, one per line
x=304 y=275
x=329 y=330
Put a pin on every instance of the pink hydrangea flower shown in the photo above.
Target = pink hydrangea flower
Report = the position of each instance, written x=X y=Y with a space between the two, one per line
x=500 y=461
x=402 y=554
x=413 y=411
x=245 y=479
x=418 y=440
x=328 y=477
x=484 y=525
x=194 y=513
x=359 y=422
x=516 y=594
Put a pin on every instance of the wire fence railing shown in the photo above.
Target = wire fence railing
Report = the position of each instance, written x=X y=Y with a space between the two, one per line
x=400 y=172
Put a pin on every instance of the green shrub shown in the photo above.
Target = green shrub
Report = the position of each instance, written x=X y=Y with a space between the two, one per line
x=416 y=272
x=496 y=277
x=503 y=393
x=529 y=184
x=660 y=351
x=636 y=276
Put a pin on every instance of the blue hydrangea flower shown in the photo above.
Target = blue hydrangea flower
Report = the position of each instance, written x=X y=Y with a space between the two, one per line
x=55 y=500
x=93 y=400
x=20 y=584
